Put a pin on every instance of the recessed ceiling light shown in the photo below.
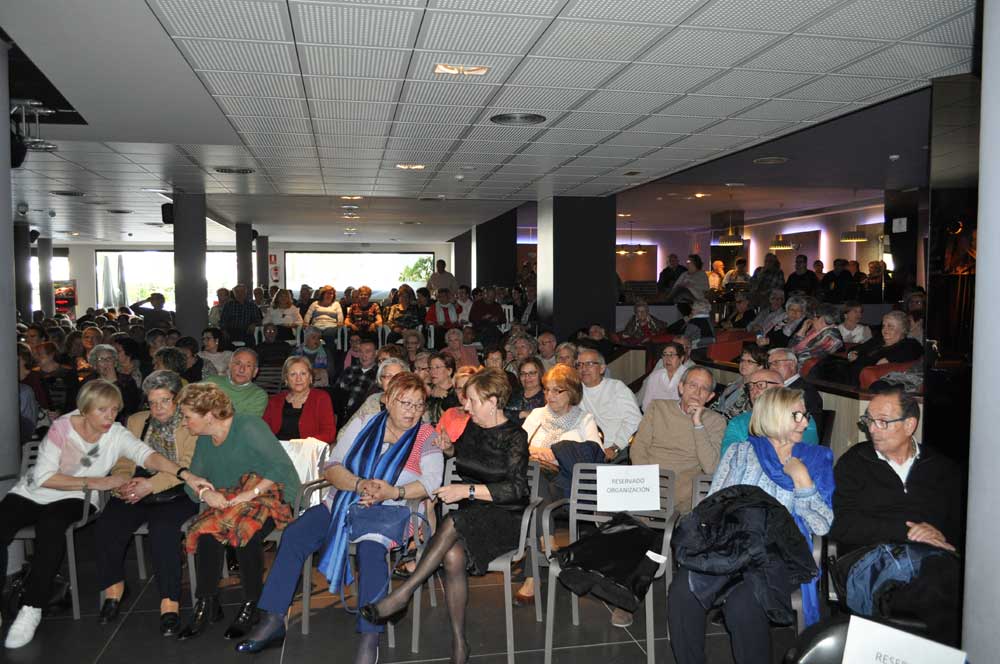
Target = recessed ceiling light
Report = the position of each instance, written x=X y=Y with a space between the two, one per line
x=38 y=145
x=468 y=168
x=156 y=190
x=410 y=167
x=67 y=192
x=75 y=234
x=460 y=70
x=735 y=184
x=409 y=223
x=624 y=215
x=119 y=211
x=234 y=170
x=349 y=207
x=351 y=198
x=350 y=229
x=770 y=161
x=349 y=233
x=702 y=195
x=517 y=119
x=894 y=157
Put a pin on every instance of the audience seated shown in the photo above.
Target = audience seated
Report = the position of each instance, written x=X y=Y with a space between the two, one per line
x=238 y=386
x=314 y=351
x=60 y=381
x=454 y=420
x=893 y=490
x=363 y=315
x=324 y=313
x=270 y=351
x=375 y=402
x=442 y=394
x=801 y=479
x=216 y=359
x=405 y=314
x=566 y=353
x=734 y=400
x=738 y=428
x=194 y=366
x=699 y=329
x=300 y=411
x=819 y=336
x=154 y=316
x=352 y=387
x=662 y=382
x=768 y=317
x=609 y=401
x=743 y=313
x=240 y=316
x=104 y=360
x=851 y=330
x=767 y=279
x=780 y=334
x=785 y=362
x=528 y=395
x=464 y=356
x=691 y=285
x=802 y=281
x=642 y=325
x=891 y=345
x=443 y=314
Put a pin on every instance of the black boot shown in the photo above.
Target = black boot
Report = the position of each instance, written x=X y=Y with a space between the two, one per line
x=207 y=610
x=244 y=622
x=110 y=610
x=269 y=631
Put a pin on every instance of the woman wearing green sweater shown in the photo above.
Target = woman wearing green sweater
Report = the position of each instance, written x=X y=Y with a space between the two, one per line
x=255 y=485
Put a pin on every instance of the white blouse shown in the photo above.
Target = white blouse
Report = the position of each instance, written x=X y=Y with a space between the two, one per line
x=859 y=335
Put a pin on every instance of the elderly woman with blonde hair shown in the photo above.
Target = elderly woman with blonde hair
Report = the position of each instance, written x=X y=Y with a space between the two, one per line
x=798 y=476
x=300 y=411
x=364 y=316
x=465 y=356
x=73 y=463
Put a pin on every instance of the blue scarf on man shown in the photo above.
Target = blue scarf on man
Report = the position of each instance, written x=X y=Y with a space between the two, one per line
x=365 y=461
x=819 y=462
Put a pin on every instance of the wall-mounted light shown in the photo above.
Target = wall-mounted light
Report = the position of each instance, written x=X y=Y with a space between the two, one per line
x=780 y=244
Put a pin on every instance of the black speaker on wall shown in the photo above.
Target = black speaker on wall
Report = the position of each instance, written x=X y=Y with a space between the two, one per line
x=167 y=213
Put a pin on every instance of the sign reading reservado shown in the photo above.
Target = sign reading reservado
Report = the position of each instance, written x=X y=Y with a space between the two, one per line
x=873 y=643
x=628 y=488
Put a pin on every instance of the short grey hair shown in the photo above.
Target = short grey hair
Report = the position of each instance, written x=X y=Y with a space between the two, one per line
x=528 y=340
x=250 y=351
x=797 y=301
x=684 y=378
x=452 y=332
x=777 y=291
x=900 y=317
x=388 y=362
x=829 y=313
x=786 y=352
x=569 y=346
x=162 y=379
x=599 y=354
x=101 y=349
x=312 y=329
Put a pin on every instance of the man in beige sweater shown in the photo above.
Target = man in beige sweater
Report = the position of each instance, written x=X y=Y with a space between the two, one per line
x=682 y=435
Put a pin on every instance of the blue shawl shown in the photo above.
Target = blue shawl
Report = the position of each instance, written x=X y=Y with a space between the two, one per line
x=819 y=462
x=365 y=461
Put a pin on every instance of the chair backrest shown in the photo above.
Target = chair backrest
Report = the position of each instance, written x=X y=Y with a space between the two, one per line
x=583 y=499
x=29 y=456
x=871 y=374
x=269 y=379
x=451 y=476
x=702 y=485
x=724 y=351
x=826 y=433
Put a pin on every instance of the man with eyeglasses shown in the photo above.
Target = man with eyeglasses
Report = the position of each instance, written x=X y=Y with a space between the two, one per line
x=892 y=489
x=738 y=429
x=547 y=343
x=610 y=402
x=247 y=397
x=785 y=362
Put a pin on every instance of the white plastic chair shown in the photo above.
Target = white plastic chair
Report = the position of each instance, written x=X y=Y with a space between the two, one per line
x=508 y=312
x=583 y=509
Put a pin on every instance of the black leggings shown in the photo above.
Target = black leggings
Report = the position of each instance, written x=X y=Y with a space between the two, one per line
x=251 y=559
x=50 y=522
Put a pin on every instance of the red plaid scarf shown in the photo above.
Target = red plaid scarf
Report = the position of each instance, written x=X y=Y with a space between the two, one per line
x=236 y=525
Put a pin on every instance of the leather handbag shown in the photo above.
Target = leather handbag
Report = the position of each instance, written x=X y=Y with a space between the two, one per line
x=389 y=521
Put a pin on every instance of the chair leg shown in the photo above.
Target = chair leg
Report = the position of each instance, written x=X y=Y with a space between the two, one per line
x=431 y=590
x=508 y=601
x=575 y=604
x=74 y=588
x=390 y=628
x=537 y=582
x=194 y=579
x=140 y=558
x=550 y=613
x=415 y=630
x=650 y=641
x=306 y=592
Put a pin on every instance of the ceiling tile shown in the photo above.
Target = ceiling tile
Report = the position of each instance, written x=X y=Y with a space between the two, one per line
x=709 y=142
x=594 y=161
x=487 y=147
x=353 y=61
x=742 y=82
x=437 y=114
x=425 y=130
x=271 y=125
x=279 y=140
x=282 y=108
x=618 y=151
x=597 y=120
x=332 y=144
x=482 y=33
x=911 y=60
x=629 y=102
x=249 y=19
x=264 y=152
x=644 y=139
x=779 y=15
x=959 y=31
x=639 y=11
x=540 y=7
x=352 y=89
x=444 y=94
x=671 y=124
x=555 y=149
x=351 y=128
x=595 y=41
x=501 y=133
x=886 y=19
x=348 y=25
x=573 y=136
x=344 y=110
x=842 y=88
x=437 y=145
x=746 y=127
x=784 y=109
x=716 y=107
x=557 y=71
x=698 y=46
x=817 y=54
x=223 y=55
x=252 y=85
x=538 y=98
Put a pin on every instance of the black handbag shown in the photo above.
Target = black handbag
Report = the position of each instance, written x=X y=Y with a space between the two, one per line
x=389 y=521
x=165 y=496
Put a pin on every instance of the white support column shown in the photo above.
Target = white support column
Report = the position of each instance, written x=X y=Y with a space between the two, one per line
x=982 y=583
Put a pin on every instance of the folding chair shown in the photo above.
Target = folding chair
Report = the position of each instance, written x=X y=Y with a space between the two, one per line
x=583 y=509
x=29 y=456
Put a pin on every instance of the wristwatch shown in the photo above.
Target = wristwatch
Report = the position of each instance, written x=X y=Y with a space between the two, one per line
x=472 y=492
x=181 y=470
x=256 y=491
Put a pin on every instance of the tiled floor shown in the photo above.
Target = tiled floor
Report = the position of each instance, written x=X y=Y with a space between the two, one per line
x=135 y=639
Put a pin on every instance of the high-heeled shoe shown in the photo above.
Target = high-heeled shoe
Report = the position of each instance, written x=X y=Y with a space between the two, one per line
x=206 y=610
x=371 y=613
x=268 y=632
x=110 y=610
x=247 y=617
x=170 y=623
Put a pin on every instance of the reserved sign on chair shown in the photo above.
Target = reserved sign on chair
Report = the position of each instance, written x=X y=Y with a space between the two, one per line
x=628 y=488
x=873 y=643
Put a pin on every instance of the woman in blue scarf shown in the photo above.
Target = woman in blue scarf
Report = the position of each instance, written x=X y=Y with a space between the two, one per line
x=387 y=458
x=798 y=476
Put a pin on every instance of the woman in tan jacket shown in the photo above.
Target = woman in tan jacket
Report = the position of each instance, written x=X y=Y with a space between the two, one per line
x=158 y=500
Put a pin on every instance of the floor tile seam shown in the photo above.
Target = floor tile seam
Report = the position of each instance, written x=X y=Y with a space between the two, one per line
x=501 y=653
x=121 y=619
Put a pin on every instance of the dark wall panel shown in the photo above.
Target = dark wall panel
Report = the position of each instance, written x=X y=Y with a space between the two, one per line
x=462 y=269
x=495 y=246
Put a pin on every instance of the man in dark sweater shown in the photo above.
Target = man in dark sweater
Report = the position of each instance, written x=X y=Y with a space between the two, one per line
x=893 y=490
x=802 y=280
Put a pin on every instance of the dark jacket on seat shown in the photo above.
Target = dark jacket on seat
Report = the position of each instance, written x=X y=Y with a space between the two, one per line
x=743 y=534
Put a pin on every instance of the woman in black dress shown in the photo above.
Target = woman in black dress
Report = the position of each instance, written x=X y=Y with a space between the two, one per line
x=492 y=453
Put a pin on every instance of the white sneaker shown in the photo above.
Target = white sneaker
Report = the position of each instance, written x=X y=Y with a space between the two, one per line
x=22 y=630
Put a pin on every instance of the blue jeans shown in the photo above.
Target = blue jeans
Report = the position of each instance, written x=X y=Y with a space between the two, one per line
x=305 y=536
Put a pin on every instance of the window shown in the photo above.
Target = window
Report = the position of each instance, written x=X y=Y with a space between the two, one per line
x=380 y=271
x=60 y=272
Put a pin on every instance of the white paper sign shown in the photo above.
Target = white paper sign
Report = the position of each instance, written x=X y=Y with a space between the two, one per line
x=873 y=643
x=899 y=225
x=628 y=488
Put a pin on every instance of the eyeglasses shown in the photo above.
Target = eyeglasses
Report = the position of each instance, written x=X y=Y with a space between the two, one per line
x=748 y=360
x=867 y=421
x=588 y=363
x=528 y=373
x=554 y=390
x=799 y=416
x=762 y=384
x=412 y=406
x=671 y=355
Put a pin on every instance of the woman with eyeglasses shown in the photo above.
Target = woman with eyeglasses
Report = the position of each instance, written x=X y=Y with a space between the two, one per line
x=798 y=476
x=442 y=396
x=662 y=381
x=734 y=399
x=386 y=459
x=104 y=360
x=530 y=395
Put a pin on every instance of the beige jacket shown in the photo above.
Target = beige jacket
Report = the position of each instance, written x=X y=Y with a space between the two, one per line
x=667 y=437
x=185 y=451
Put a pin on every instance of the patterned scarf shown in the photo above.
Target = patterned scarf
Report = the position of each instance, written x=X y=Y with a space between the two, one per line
x=553 y=427
x=162 y=435
x=365 y=460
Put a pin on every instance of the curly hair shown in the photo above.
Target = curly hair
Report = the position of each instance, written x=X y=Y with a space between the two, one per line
x=205 y=398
